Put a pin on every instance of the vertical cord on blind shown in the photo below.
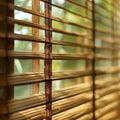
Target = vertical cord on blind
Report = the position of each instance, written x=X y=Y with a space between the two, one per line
x=48 y=59
x=93 y=61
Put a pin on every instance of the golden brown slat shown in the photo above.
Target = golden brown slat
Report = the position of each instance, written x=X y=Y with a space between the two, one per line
x=25 y=38
x=53 y=18
x=64 y=102
x=26 y=55
x=108 y=40
x=71 y=102
x=71 y=56
x=106 y=100
x=55 y=56
x=32 y=12
x=102 y=8
x=107 y=32
x=29 y=114
x=85 y=117
x=105 y=17
x=38 y=77
x=40 y=40
x=35 y=25
x=58 y=42
x=108 y=48
x=106 y=82
x=105 y=11
x=68 y=32
x=107 y=109
x=25 y=78
x=69 y=11
x=25 y=23
x=107 y=2
x=110 y=116
x=106 y=104
x=37 y=100
x=33 y=113
x=105 y=91
x=77 y=4
x=107 y=57
x=102 y=16
x=108 y=70
x=107 y=25
x=73 y=94
x=74 y=113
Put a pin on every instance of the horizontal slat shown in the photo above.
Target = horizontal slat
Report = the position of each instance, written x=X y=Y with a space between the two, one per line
x=89 y=116
x=40 y=40
x=107 y=32
x=55 y=56
x=110 y=116
x=107 y=57
x=25 y=23
x=74 y=113
x=35 y=25
x=69 y=11
x=78 y=4
x=42 y=15
x=104 y=92
x=73 y=94
x=103 y=9
x=106 y=82
x=38 y=55
x=36 y=100
x=34 y=113
x=56 y=42
x=29 y=114
x=108 y=70
x=107 y=109
x=71 y=56
x=107 y=39
x=71 y=102
x=37 y=77
x=104 y=23
x=106 y=100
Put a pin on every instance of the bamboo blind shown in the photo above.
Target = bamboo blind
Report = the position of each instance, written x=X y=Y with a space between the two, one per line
x=69 y=53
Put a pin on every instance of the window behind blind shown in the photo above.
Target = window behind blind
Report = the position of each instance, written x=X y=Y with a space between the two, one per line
x=59 y=59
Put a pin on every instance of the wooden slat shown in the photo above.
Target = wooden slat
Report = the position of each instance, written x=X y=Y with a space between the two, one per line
x=62 y=42
x=107 y=109
x=35 y=25
x=42 y=15
x=37 y=100
x=69 y=11
x=110 y=116
x=55 y=56
x=74 y=113
x=37 y=77
x=73 y=94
